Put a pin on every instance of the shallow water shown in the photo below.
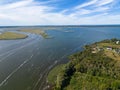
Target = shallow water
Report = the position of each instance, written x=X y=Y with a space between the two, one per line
x=25 y=63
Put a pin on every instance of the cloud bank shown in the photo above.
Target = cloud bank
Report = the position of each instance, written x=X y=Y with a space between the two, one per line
x=59 y=12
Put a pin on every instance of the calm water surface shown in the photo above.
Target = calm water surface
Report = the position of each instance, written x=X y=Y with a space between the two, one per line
x=25 y=63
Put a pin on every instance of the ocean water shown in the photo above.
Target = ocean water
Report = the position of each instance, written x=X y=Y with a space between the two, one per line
x=25 y=63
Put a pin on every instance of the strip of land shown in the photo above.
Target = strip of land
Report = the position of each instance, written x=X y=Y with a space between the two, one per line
x=12 y=36
x=54 y=73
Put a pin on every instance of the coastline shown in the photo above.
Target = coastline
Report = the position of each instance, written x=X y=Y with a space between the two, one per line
x=65 y=77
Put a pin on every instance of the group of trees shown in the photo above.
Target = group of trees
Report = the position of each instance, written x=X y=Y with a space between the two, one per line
x=88 y=71
x=110 y=41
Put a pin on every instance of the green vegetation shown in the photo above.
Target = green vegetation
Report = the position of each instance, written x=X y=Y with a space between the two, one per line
x=39 y=32
x=111 y=48
x=81 y=81
x=11 y=36
x=52 y=76
x=88 y=70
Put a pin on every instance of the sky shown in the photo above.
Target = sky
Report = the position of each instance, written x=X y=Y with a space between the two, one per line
x=59 y=12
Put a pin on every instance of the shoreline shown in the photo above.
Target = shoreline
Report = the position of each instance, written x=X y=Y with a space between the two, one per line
x=84 y=64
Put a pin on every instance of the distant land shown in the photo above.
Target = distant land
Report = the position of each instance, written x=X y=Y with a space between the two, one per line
x=59 y=26
x=6 y=35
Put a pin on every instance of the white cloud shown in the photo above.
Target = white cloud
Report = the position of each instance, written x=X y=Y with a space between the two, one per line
x=86 y=12
x=94 y=3
x=86 y=4
x=23 y=11
x=16 y=4
x=91 y=7
x=104 y=2
x=9 y=17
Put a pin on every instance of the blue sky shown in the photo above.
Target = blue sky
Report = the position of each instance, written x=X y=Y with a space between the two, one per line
x=59 y=12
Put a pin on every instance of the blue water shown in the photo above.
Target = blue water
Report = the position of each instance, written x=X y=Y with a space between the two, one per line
x=25 y=63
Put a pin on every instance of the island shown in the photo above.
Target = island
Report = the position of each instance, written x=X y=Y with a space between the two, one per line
x=38 y=32
x=97 y=67
x=12 y=36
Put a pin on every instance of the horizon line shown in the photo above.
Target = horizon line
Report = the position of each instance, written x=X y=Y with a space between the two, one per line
x=58 y=25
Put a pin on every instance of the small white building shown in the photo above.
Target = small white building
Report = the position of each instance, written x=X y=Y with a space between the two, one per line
x=109 y=48
x=117 y=42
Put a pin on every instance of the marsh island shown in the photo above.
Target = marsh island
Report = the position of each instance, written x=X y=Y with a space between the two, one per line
x=12 y=35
